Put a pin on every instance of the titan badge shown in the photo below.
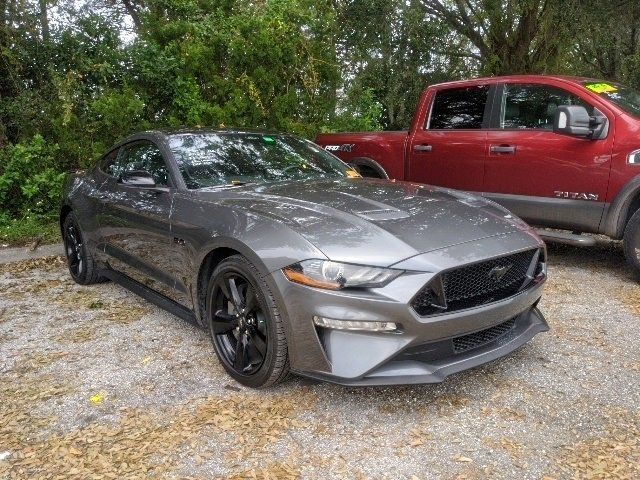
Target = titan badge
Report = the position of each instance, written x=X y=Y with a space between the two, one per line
x=576 y=195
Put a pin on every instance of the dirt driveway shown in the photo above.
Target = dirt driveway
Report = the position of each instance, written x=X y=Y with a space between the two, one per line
x=95 y=383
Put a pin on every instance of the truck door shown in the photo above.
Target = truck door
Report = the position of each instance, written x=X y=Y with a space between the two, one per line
x=546 y=178
x=449 y=148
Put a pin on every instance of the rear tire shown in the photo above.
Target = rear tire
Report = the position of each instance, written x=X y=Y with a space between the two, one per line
x=245 y=325
x=82 y=266
x=632 y=243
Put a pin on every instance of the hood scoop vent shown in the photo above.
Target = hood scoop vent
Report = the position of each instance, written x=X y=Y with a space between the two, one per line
x=381 y=214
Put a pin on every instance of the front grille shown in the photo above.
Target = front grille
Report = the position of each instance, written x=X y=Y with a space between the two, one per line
x=478 y=339
x=475 y=284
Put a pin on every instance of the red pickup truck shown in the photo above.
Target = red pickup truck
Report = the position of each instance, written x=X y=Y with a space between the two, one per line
x=560 y=152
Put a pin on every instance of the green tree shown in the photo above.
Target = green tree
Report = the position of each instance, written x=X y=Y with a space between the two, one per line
x=264 y=64
x=510 y=36
x=389 y=47
x=77 y=76
x=608 y=41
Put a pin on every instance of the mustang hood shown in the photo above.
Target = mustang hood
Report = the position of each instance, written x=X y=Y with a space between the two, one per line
x=376 y=222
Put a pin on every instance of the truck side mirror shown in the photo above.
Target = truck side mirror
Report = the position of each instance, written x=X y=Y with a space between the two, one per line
x=573 y=120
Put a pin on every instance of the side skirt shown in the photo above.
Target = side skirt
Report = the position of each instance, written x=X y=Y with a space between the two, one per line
x=151 y=295
x=566 y=214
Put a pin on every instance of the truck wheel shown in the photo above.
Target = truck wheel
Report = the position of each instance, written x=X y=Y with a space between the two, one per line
x=632 y=243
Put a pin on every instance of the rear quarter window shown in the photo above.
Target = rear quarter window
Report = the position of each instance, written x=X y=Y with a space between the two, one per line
x=459 y=108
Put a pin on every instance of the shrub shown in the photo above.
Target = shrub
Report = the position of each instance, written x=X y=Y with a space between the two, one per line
x=30 y=182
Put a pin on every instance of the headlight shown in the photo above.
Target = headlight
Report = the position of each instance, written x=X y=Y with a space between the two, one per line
x=334 y=276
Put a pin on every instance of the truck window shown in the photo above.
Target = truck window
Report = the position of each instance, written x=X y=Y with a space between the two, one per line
x=534 y=106
x=459 y=108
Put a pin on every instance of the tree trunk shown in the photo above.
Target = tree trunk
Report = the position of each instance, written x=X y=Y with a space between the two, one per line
x=3 y=13
x=44 y=20
x=133 y=12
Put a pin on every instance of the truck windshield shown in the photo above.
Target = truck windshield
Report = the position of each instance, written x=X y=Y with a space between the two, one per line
x=211 y=159
x=624 y=97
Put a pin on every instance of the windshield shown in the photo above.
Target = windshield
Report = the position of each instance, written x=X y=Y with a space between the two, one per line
x=213 y=159
x=624 y=97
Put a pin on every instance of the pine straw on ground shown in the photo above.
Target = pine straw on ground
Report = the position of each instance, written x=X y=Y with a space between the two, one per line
x=614 y=455
x=629 y=296
x=49 y=263
x=139 y=443
x=128 y=443
x=273 y=471
x=243 y=431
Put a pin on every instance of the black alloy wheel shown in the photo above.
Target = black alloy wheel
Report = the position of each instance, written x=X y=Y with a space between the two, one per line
x=239 y=324
x=245 y=325
x=73 y=249
x=82 y=266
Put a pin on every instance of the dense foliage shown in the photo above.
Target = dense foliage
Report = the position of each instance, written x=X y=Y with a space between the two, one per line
x=76 y=76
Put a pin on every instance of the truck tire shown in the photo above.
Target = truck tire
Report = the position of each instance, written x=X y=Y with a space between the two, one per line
x=632 y=243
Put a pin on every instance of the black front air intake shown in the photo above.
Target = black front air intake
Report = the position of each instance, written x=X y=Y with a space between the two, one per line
x=479 y=283
x=483 y=337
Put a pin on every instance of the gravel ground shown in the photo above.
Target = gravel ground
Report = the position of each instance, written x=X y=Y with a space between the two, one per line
x=96 y=383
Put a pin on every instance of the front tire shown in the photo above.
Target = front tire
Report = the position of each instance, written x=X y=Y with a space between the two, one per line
x=82 y=266
x=632 y=243
x=245 y=325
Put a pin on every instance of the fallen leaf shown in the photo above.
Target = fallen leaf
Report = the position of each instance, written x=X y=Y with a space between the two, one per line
x=463 y=459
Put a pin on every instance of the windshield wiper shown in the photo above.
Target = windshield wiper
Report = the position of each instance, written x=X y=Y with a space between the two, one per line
x=227 y=185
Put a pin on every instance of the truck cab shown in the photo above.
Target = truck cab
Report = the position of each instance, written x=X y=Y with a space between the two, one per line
x=560 y=152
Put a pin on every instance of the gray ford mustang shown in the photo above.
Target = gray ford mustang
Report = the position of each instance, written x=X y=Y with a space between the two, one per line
x=293 y=262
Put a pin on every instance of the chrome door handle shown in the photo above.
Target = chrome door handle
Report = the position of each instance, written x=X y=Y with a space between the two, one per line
x=502 y=149
x=422 y=148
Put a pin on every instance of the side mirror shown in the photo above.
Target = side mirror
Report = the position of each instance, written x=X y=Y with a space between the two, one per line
x=575 y=120
x=137 y=178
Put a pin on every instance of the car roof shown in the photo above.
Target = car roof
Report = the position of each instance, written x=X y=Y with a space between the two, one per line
x=161 y=134
x=200 y=130
x=519 y=78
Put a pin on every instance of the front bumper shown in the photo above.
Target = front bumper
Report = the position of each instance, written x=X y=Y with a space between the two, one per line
x=432 y=362
x=422 y=352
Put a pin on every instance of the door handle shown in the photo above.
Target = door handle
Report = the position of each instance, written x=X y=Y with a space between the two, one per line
x=502 y=149
x=422 y=148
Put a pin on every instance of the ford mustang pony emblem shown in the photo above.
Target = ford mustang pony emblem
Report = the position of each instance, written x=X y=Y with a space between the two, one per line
x=496 y=273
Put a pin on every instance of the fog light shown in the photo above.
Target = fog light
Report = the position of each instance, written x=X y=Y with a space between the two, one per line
x=355 y=325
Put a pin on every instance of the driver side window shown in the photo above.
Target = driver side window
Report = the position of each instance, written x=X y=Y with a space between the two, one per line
x=144 y=156
x=534 y=106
